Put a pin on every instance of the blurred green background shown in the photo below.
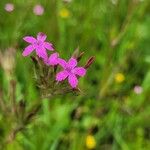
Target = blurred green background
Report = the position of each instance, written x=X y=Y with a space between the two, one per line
x=113 y=110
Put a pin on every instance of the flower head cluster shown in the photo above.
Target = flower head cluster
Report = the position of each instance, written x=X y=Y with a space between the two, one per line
x=119 y=77
x=38 y=10
x=9 y=7
x=90 y=142
x=64 y=13
x=66 y=69
x=138 y=89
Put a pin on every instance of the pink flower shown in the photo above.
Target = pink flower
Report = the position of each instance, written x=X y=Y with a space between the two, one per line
x=38 y=10
x=138 y=89
x=70 y=71
x=53 y=59
x=9 y=7
x=39 y=45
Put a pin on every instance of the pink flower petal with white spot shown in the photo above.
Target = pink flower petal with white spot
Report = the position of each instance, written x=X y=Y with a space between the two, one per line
x=29 y=39
x=73 y=81
x=80 y=71
x=62 y=75
x=72 y=63
x=48 y=46
x=29 y=49
x=41 y=37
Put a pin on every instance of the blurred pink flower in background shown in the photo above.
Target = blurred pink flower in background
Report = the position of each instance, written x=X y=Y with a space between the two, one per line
x=9 y=7
x=138 y=89
x=38 y=10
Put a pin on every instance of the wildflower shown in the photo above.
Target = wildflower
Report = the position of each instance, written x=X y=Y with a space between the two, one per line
x=9 y=7
x=53 y=59
x=119 y=77
x=38 y=10
x=64 y=13
x=90 y=142
x=39 y=45
x=70 y=71
x=138 y=89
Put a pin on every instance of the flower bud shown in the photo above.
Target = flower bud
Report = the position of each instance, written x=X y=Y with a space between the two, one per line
x=89 y=62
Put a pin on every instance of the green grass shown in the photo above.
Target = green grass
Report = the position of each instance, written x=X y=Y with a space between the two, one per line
x=118 y=35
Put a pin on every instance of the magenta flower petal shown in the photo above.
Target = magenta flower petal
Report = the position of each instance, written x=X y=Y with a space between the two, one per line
x=41 y=52
x=73 y=81
x=53 y=59
x=29 y=49
x=48 y=46
x=41 y=37
x=62 y=75
x=80 y=71
x=29 y=39
x=72 y=63
x=62 y=63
